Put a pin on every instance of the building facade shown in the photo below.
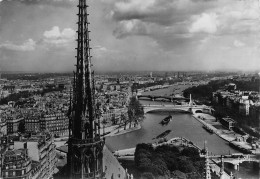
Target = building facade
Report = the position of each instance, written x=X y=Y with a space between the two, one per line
x=13 y=123
x=32 y=123
x=41 y=149
x=16 y=164
x=55 y=123
x=228 y=122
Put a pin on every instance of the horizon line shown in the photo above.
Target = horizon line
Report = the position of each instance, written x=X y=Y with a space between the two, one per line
x=136 y=71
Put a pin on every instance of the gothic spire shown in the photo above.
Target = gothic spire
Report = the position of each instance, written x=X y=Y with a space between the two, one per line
x=85 y=146
x=83 y=90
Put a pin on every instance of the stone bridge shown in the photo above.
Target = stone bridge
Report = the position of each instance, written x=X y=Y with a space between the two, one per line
x=183 y=108
x=168 y=98
x=235 y=159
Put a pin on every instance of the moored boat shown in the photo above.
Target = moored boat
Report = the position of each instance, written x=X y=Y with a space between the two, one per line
x=240 y=148
x=166 y=120
x=162 y=135
x=208 y=129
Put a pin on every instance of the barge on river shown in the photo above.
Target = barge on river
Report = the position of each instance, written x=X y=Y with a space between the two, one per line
x=166 y=120
x=208 y=129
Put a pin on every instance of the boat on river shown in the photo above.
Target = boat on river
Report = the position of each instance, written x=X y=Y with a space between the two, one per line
x=166 y=120
x=208 y=129
x=162 y=135
x=240 y=148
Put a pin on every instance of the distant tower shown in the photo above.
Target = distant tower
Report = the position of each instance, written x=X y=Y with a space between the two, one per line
x=190 y=103
x=207 y=167
x=151 y=74
x=85 y=146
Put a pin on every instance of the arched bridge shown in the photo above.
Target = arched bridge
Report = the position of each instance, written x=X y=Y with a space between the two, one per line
x=185 y=108
x=235 y=159
x=169 y=98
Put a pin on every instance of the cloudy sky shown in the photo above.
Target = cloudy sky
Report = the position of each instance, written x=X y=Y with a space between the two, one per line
x=39 y=35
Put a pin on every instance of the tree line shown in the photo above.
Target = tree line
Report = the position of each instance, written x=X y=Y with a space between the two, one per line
x=134 y=115
x=204 y=92
x=162 y=161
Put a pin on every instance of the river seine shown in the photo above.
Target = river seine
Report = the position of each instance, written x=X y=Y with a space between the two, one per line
x=181 y=125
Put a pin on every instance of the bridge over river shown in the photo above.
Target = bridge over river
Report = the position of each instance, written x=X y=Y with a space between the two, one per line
x=235 y=159
x=185 y=108
x=168 y=98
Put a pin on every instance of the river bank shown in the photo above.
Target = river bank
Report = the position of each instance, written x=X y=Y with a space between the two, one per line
x=119 y=130
x=175 y=89
x=228 y=135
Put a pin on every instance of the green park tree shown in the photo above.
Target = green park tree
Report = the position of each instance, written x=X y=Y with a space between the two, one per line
x=123 y=120
x=135 y=111
x=147 y=175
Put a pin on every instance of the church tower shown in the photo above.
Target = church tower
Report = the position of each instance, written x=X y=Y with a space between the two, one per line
x=85 y=145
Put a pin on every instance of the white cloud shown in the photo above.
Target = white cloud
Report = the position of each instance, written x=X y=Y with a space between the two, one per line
x=238 y=43
x=130 y=27
x=57 y=37
x=237 y=17
x=53 y=33
x=243 y=10
x=206 y=23
x=28 y=45
x=100 y=48
x=136 y=5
